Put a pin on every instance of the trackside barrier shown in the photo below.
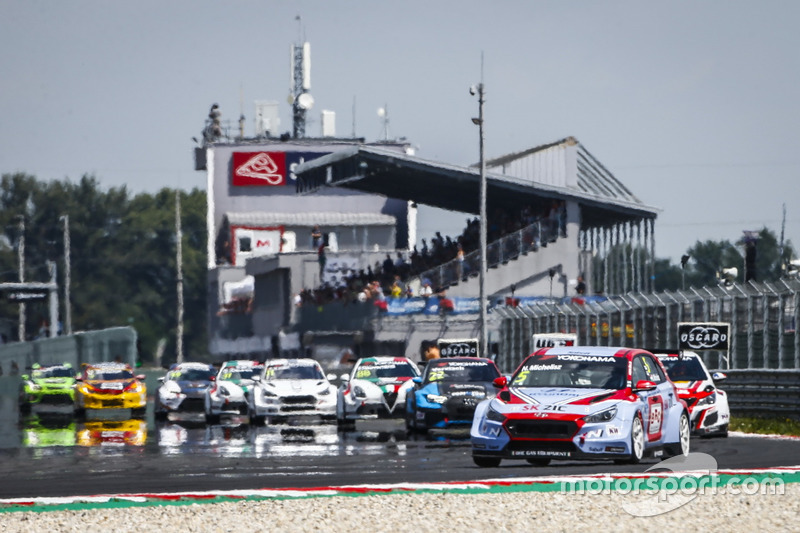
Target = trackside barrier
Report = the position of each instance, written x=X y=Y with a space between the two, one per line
x=763 y=318
x=85 y=347
x=763 y=392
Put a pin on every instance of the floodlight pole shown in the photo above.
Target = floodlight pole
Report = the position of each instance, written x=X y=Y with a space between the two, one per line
x=484 y=344
x=21 y=256
x=67 y=280
x=179 y=266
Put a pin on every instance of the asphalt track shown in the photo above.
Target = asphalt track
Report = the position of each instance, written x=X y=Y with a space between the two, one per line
x=193 y=457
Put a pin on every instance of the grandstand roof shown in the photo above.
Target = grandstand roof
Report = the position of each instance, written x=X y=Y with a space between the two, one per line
x=561 y=170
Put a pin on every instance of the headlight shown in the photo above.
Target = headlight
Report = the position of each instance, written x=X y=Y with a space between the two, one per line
x=711 y=399
x=35 y=387
x=435 y=398
x=269 y=394
x=602 y=416
x=224 y=391
x=358 y=392
x=325 y=391
x=496 y=416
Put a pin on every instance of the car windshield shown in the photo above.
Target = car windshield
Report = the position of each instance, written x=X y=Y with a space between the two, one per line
x=192 y=374
x=684 y=368
x=54 y=372
x=293 y=372
x=232 y=373
x=573 y=372
x=460 y=371
x=373 y=370
x=108 y=374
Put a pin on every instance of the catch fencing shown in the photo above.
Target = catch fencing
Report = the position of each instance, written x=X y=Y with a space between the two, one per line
x=763 y=320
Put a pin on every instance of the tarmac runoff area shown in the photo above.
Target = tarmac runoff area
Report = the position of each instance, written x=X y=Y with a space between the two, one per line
x=766 y=500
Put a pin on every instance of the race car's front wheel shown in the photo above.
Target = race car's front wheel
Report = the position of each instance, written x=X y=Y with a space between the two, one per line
x=487 y=462
x=684 y=437
x=637 y=442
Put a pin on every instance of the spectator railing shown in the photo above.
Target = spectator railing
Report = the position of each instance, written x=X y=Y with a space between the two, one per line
x=501 y=251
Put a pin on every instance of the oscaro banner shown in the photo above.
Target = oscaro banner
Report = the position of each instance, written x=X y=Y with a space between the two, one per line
x=703 y=335
x=458 y=347
x=262 y=169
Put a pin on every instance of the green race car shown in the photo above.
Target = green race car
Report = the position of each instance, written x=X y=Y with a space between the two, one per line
x=47 y=385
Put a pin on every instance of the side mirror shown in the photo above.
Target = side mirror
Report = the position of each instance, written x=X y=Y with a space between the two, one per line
x=644 y=385
x=331 y=377
x=500 y=382
x=345 y=378
x=25 y=377
x=212 y=378
x=161 y=379
x=256 y=377
x=719 y=376
x=417 y=380
x=78 y=378
x=140 y=377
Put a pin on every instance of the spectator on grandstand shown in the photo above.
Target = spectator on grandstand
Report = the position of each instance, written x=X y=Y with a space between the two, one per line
x=396 y=290
x=426 y=291
x=316 y=237
x=580 y=287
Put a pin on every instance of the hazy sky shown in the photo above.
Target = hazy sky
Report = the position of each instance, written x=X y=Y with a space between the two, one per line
x=692 y=104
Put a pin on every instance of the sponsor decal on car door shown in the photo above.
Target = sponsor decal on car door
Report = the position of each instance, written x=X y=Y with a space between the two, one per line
x=655 y=418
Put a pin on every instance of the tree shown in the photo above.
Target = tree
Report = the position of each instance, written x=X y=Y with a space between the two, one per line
x=122 y=256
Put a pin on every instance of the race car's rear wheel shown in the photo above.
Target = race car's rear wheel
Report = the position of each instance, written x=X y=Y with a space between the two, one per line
x=684 y=438
x=538 y=461
x=487 y=462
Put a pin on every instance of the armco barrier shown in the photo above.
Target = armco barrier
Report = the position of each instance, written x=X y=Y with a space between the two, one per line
x=85 y=347
x=763 y=392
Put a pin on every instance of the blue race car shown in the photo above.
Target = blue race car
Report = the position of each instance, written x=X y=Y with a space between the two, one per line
x=448 y=392
x=582 y=403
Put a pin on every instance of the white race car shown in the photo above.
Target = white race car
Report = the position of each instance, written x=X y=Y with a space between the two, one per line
x=376 y=388
x=291 y=387
x=708 y=406
x=231 y=387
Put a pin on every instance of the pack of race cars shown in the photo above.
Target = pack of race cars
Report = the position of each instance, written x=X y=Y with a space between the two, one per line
x=562 y=403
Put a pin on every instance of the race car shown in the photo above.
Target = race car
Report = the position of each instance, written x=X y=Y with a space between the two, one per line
x=47 y=386
x=228 y=394
x=375 y=388
x=110 y=386
x=708 y=406
x=582 y=403
x=183 y=388
x=448 y=392
x=291 y=387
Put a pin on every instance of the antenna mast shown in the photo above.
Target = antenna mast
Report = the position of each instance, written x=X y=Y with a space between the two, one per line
x=300 y=80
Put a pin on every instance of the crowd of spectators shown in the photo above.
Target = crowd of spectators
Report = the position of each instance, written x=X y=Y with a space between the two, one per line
x=389 y=278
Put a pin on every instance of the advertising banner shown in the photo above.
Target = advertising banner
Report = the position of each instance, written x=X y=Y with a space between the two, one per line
x=268 y=169
x=458 y=347
x=704 y=336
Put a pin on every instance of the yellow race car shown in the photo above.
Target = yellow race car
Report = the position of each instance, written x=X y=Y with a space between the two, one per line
x=110 y=386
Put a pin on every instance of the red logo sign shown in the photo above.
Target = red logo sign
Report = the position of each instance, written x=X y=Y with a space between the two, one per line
x=259 y=168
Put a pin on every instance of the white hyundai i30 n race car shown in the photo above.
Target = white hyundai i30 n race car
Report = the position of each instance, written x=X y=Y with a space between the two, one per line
x=582 y=403
x=708 y=406
x=291 y=387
